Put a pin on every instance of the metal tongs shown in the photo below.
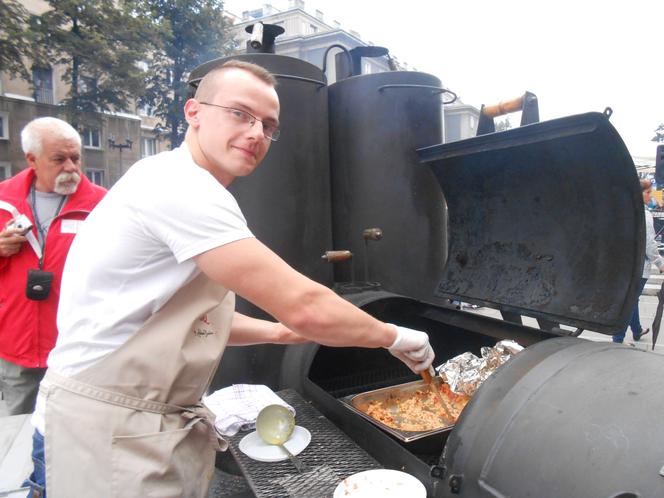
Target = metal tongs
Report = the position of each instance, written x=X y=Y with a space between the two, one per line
x=428 y=376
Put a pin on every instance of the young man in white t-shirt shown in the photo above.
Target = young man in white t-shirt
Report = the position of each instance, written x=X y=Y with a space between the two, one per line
x=169 y=219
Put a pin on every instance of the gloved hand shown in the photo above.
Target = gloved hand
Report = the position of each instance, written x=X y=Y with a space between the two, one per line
x=413 y=348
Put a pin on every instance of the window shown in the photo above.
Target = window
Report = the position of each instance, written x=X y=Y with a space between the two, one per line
x=148 y=146
x=95 y=176
x=42 y=79
x=313 y=29
x=4 y=125
x=5 y=170
x=90 y=138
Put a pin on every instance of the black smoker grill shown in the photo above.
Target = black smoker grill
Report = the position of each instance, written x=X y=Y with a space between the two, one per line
x=545 y=221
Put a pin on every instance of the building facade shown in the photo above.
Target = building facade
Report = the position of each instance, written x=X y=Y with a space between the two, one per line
x=307 y=36
x=111 y=143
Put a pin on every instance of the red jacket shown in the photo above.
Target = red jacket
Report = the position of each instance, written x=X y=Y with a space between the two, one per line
x=27 y=328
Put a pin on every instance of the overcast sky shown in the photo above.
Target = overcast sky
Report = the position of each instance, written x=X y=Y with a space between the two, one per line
x=575 y=55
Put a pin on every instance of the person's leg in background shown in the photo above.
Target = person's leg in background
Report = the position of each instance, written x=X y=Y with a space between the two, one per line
x=37 y=480
x=635 y=322
x=18 y=388
x=620 y=337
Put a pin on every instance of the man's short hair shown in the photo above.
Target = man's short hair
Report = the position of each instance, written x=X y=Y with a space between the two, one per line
x=206 y=87
x=33 y=133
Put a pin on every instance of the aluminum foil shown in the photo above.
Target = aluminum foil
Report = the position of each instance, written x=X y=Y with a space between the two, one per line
x=466 y=372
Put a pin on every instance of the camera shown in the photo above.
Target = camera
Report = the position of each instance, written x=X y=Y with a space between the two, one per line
x=22 y=222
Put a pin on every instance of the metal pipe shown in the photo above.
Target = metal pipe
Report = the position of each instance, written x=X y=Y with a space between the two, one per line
x=345 y=50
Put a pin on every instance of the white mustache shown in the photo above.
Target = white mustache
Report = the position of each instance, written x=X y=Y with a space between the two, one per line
x=66 y=183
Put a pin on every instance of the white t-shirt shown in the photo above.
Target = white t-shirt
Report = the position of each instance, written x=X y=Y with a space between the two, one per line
x=133 y=253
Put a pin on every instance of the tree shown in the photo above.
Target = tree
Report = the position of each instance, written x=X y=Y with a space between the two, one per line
x=186 y=34
x=503 y=124
x=13 y=38
x=659 y=134
x=100 y=44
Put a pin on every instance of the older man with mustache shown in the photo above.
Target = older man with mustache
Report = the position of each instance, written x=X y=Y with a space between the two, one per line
x=41 y=209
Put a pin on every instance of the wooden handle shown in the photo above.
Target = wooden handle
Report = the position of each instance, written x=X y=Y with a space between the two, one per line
x=506 y=107
x=334 y=256
x=426 y=375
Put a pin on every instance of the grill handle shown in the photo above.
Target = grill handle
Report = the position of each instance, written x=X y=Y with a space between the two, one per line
x=527 y=103
x=336 y=256
x=434 y=90
x=505 y=107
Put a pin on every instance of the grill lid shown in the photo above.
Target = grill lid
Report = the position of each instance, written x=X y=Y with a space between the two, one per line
x=545 y=220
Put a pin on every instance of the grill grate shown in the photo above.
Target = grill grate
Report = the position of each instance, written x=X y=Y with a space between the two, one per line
x=331 y=456
x=225 y=485
x=317 y=483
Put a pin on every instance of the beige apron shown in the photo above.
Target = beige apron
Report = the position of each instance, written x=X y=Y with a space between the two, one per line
x=133 y=425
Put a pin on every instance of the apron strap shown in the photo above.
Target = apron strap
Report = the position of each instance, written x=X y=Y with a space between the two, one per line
x=201 y=413
x=195 y=414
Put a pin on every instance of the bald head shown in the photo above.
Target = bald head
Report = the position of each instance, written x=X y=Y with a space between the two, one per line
x=211 y=82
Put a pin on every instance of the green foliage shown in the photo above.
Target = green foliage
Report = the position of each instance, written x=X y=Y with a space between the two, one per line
x=115 y=52
x=185 y=33
x=99 y=43
x=13 y=38
x=503 y=124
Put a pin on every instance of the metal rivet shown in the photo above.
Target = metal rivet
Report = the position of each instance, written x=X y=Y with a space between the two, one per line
x=455 y=484
x=437 y=472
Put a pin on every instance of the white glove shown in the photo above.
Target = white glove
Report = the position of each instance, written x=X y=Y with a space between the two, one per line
x=413 y=348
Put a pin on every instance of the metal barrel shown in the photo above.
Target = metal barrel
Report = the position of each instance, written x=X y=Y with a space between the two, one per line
x=377 y=121
x=286 y=200
x=578 y=418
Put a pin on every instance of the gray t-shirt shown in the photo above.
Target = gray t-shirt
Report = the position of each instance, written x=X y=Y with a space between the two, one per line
x=47 y=205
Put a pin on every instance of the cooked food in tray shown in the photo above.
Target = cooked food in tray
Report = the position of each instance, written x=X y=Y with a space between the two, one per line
x=412 y=411
x=417 y=410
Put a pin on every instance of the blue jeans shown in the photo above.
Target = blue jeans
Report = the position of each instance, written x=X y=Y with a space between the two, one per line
x=634 y=321
x=37 y=480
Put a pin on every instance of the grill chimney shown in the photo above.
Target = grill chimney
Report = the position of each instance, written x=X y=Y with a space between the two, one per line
x=262 y=37
x=356 y=55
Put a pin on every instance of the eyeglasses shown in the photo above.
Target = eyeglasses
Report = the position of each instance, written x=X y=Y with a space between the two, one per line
x=270 y=131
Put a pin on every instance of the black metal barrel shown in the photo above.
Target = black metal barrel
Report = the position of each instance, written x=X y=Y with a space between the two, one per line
x=377 y=121
x=286 y=200
x=565 y=417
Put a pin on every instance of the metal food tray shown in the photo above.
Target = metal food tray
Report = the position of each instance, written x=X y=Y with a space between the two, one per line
x=355 y=403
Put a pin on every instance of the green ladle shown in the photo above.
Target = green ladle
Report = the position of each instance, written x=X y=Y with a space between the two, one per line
x=275 y=424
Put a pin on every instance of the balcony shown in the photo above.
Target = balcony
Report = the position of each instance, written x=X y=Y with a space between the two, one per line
x=44 y=95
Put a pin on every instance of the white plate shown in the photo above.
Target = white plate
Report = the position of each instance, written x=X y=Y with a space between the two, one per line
x=254 y=447
x=383 y=483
